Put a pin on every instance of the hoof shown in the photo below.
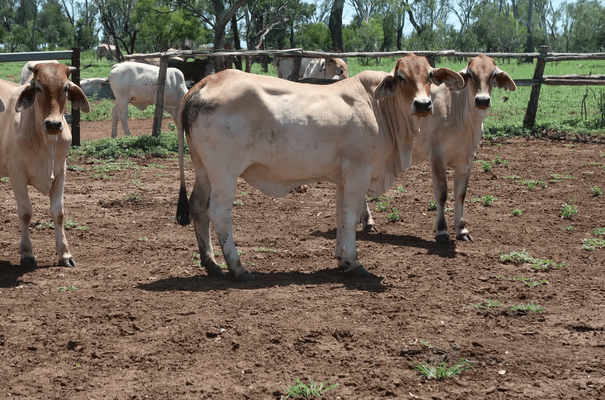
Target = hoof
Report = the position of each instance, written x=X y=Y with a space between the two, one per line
x=215 y=272
x=68 y=262
x=443 y=239
x=370 y=228
x=245 y=277
x=29 y=262
x=360 y=271
x=466 y=237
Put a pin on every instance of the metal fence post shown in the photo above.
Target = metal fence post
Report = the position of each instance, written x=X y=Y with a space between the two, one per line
x=532 y=106
x=75 y=113
x=159 y=102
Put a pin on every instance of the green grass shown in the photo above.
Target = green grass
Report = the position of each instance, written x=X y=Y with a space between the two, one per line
x=164 y=145
x=567 y=211
x=307 y=390
x=596 y=191
x=441 y=370
x=593 y=243
x=71 y=224
x=531 y=183
x=518 y=307
x=523 y=257
x=265 y=250
x=517 y=212
x=67 y=288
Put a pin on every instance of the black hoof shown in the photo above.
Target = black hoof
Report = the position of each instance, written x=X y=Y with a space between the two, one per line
x=29 y=262
x=216 y=272
x=245 y=277
x=68 y=262
x=370 y=228
x=443 y=239
x=465 y=237
x=360 y=271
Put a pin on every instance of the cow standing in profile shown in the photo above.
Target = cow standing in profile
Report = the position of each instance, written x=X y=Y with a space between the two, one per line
x=34 y=142
x=357 y=133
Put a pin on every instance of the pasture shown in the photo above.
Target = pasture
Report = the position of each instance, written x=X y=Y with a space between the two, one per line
x=137 y=318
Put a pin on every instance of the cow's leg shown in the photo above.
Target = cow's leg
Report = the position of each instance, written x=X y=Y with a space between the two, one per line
x=119 y=112
x=439 y=173
x=366 y=219
x=222 y=196
x=24 y=210
x=461 y=177
x=198 y=204
x=351 y=201
x=56 y=211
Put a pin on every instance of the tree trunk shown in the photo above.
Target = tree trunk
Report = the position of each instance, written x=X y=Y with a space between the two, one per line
x=529 y=48
x=222 y=18
x=336 y=25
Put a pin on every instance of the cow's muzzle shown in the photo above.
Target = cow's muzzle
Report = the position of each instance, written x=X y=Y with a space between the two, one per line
x=422 y=107
x=483 y=102
x=53 y=126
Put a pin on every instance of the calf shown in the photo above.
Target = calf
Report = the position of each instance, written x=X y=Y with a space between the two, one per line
x=137 y=84
x=34 y=143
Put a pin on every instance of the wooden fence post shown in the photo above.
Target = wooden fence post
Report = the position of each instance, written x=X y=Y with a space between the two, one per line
x=532 y=106
x=296 y=69
x=75 y=113
x=159 y=101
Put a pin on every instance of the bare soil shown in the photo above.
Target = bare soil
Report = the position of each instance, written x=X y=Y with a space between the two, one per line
x=138 y=319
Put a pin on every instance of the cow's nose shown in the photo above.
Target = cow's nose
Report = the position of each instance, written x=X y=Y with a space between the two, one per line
x=423 y=105
x=53 y=125
x=482 y=101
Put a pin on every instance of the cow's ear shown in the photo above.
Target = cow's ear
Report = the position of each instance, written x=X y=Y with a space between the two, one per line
x=450 y=78
x=386 y=88
x=466 y=75
x=2 y=105
x=26 y=97
x=78 y=98
x=504 y=81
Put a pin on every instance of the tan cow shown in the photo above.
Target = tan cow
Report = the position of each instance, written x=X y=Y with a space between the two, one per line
x=452 y=136
x=357 y=133
x=327 y=68
x=108 y=52
x=34 y=142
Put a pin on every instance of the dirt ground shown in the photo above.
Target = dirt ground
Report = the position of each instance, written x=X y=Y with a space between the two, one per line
x=137 y=319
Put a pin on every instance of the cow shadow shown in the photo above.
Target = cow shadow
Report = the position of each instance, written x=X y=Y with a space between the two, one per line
x=10 y=274
x=432 y=247
x=203 y=283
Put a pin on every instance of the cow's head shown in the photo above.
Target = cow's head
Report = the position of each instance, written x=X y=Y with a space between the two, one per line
x=336 y=68
x=411 y=80
x=48 y=91
x=480 y=76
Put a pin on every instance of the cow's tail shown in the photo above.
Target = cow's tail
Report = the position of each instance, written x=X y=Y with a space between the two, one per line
x=183 y=215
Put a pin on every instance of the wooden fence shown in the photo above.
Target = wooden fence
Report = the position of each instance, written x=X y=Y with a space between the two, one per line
x=539 y=79
x=74 y=56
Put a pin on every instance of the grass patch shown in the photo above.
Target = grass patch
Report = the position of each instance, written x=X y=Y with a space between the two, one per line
x=164 y=145
x=307 y=390
x=265 y=250
x=441 y=370
x=523 y=257
x=593 y=243
x=531 y=183
x=71 y=224
x=517 y=212
x=567 y=211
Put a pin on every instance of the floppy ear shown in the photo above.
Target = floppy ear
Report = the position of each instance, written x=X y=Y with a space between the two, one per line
x=78 y=98
x=26 y=97
x=386 y=88
x=2 y=105
x=466 y=75
x=450 y=78
x=504 y=81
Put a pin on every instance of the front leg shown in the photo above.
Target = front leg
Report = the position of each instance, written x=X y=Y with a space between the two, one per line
x=56 y=211
x=439 y=173
x=461 y=177
x=24 y=210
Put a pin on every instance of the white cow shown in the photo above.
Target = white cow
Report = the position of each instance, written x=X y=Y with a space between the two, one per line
x=137 y=84
x=327 y=68
x=285 y=67
x=357 y=133
x=34 y=141
x=26 y=72
x=98 y=87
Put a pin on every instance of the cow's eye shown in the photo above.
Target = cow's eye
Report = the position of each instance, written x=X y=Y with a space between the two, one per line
x=400 y=79
x=38 y=90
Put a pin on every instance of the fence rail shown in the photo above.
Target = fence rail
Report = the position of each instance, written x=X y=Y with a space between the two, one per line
x=74 y=56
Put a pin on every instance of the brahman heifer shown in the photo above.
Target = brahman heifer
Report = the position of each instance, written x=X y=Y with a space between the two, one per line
x=34 y=142
x=137 y=84
x=26 y=71
x=277 y=135
x=327 y=68
x=451 y=137
x=97 y=87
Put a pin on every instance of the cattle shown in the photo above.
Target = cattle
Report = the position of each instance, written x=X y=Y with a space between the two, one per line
x=34 y=142
x=357 y=133
x=327 y=68
x=452 y=136
x=108 y=52
x=26 y=72
x=97 y=87
x=285 y=67
x=137 y=84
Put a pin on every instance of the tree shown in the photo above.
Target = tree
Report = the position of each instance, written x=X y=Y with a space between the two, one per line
x=115 y=17
x=56 y=29
x=335 y=24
